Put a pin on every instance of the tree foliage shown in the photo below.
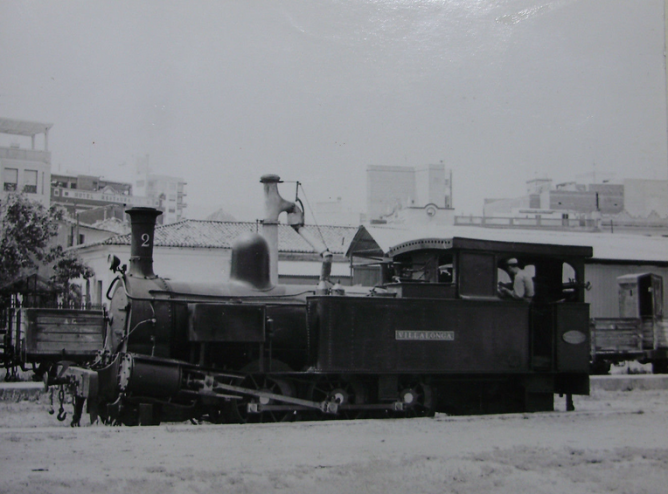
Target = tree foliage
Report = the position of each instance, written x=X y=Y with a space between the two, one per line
x=28 y=232
x=68 y=267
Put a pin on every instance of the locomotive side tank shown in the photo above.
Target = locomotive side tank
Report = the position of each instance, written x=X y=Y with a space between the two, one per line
x=434 y=335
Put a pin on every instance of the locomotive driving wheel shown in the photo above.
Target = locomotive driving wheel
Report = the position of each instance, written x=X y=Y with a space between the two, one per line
x=343 y=393
x=255 y=409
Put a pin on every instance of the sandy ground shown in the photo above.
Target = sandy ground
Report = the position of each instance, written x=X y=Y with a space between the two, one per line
x=615 y=442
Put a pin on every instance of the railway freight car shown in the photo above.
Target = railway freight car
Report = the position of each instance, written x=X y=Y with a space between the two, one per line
x=639 y=334
x=435 y=336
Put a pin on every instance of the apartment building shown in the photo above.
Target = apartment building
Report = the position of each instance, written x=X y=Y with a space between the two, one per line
x=25 y=160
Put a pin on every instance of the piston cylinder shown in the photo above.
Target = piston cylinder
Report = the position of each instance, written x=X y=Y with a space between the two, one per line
x=149 y=377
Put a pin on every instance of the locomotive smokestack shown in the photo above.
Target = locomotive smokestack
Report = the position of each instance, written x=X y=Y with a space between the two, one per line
x=142 y=223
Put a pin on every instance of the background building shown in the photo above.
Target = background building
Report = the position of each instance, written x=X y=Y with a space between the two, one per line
x=23 y=167
x=398 y=194
x=334 y=211
x=89 y=182
x=80 y=193
x=167 y=192
x=634 y=205
x=605 y=198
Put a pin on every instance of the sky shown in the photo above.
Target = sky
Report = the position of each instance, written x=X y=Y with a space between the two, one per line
x=221 y=92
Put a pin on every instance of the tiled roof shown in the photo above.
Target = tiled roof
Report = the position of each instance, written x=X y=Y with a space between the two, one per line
x=111 y=225
x=221 y=235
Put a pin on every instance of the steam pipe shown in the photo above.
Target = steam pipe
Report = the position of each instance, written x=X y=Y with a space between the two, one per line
x=274 y=205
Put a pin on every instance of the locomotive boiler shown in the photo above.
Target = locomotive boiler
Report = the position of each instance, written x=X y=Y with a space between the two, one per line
x=434 y=335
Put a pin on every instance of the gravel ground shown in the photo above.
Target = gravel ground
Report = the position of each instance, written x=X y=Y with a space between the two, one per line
x=615 y=442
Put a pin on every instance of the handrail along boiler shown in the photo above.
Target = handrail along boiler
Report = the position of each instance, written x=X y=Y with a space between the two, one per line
x=432 y=336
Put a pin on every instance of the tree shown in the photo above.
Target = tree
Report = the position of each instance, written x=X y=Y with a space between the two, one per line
x=68 y=267
x=28 y=230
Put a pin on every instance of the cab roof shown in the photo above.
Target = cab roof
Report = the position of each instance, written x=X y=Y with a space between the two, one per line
x=387 y=242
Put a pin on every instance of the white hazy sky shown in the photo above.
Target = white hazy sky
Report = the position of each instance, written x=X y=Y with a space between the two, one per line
x=221 y=92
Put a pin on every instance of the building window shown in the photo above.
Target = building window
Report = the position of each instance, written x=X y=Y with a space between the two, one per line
x=30 y=181
x=10 y=176
x=98 y=295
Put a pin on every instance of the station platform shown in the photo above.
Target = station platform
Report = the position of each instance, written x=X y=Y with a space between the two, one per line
x=21 y=390
x=629 y=382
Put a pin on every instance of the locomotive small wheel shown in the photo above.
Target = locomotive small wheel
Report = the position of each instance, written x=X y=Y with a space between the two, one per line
x=240 y=408
x=416 y=398
x=600 y=367
x=341 y=392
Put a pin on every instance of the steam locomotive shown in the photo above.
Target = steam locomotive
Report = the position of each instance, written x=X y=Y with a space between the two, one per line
x=435 y=336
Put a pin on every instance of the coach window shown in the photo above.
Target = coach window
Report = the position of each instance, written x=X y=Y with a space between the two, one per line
x=446 y=269
x=477 y=274
x=506 y=278
x=568 y=273
x=503 y=277
x=570 y=283
x=98 y=294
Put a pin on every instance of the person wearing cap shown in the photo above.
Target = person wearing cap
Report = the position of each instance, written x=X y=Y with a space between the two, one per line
x=522 y=287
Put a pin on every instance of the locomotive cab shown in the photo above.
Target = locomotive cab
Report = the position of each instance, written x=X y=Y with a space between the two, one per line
x=447 y=316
